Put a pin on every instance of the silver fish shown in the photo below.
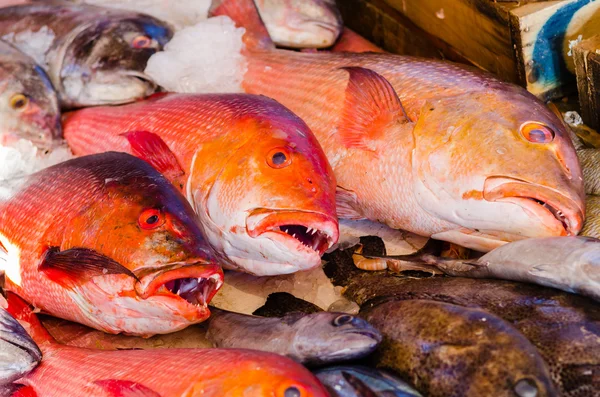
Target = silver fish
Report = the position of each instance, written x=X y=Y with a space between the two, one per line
x=28 y=102
x=301 y=23
x=311 y=339
x=93 y=55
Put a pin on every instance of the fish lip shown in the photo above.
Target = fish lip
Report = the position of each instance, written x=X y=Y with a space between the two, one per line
x=373 y=335
x=263 y=221
x=151 y=282
x=547 y=203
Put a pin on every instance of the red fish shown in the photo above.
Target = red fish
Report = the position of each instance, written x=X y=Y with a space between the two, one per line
x=253 y=171
x=72 y=371
x=349 y=41
x=107 y=241
x=432 y=147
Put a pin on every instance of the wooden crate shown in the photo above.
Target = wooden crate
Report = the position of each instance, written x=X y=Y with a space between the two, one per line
x=587 y=66
x=524 y=42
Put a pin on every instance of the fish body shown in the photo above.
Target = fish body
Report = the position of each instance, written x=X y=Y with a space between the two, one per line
x=107 y=241
x=589 y=159
x=311 y=339
x=358 y=381
x=253 y=171
x=28 y=102
x=301 y=23
x=450 y=350
x=350 y=41
x=392 y=126
x=163 y=372
x=591 y=227
x=92 y=55
x=565 y=328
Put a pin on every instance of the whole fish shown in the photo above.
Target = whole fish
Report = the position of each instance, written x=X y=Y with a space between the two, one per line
x=591 y=227
x=350 y=41
x=301 y=23
x=450 y=350
x=311 y=339
x=154 y=373
x=359 y=381
x=565 y=328
x=93 y=55
x=253 y=171
x=28 y=102
x=392 y=126
x=107 y=241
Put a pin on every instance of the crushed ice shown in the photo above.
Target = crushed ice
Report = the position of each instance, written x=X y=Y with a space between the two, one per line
x=35 y=44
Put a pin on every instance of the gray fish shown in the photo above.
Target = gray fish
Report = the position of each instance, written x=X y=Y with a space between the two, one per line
x=564 y=327
x=94 y=56
x=19 y=354
x=311 y=339
x=359 y=381
x=28 y=102
x=450 y=350
x=301 y=23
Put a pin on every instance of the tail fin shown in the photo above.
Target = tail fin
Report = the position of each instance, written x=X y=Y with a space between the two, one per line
x=245 y=14
x=20 y=355
x=21 y=311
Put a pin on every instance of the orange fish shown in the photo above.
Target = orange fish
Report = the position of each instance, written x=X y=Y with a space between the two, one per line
x=71 y=371
x=432 y=147
x=253 y=171
x=107 y=241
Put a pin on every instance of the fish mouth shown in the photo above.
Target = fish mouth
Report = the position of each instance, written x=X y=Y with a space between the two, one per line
x=553 y=208
x=310 y=232
x=375 y=336
x=194 y=284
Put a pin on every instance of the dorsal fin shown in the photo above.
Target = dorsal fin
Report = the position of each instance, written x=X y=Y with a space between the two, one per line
x=245 y=14
x=21 y=311
x=370 y=105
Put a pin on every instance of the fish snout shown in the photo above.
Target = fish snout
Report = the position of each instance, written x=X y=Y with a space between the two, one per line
x=561 y=212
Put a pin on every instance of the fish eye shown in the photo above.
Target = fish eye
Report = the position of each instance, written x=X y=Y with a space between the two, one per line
x=292 y=391
x=279 y=157
x=19 y=102
x=342 y=320
x=537 y=132
x=141 y=42
x=151 y=219
x=526 y=388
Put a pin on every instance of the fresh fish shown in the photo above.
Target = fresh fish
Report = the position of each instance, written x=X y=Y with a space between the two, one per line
x=163 y=372
x=392 y=126
x=311 y=339
x=28 y=103
x=450 y=350
x=565 y=328
x=590 y=166
x=93 y=55
x=18 y=353
x=591 y=227
x=350 y=41
x=254 y=172
x=358 y=381
x=301 y=23
x=107 y=241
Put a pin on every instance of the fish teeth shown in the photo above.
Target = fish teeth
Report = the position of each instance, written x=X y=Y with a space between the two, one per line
x=294 y=235
x=308 y=231
x=330 y=244
x=314 y=231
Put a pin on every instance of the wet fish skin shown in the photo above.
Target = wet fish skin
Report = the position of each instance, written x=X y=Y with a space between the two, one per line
x=564 y=327
x=212 y=137
x=301 y=23
x=105 y=240
x=28 y=102
x=405 y=121
x=350 y=41
x=311 y=339
x=591 y=227
x=97 y=55
x=18 y=352
x=341 y=381
x=159 y=372
x=450 y=350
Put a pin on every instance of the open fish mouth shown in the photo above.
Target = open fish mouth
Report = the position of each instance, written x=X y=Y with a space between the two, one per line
x=193 y=284
x=550 y=206
x=307 y=231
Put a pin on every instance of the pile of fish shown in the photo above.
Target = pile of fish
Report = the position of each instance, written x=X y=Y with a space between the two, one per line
x=136 y=193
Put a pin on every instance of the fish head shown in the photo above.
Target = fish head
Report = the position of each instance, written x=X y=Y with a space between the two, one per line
x=28 y=105
x=301 y=23
x=271 y=208
x=104 y=62
x=514 y=170
x=145 y=225
x=331 y=337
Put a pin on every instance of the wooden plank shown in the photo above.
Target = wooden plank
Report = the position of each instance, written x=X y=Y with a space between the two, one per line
x=587 y=65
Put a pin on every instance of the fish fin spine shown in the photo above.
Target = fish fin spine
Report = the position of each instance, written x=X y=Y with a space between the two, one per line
x=125 y=388
x=370 y=106
x=346 y=203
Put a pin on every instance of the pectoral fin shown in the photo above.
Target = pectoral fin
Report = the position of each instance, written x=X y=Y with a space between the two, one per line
x=125 y=388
